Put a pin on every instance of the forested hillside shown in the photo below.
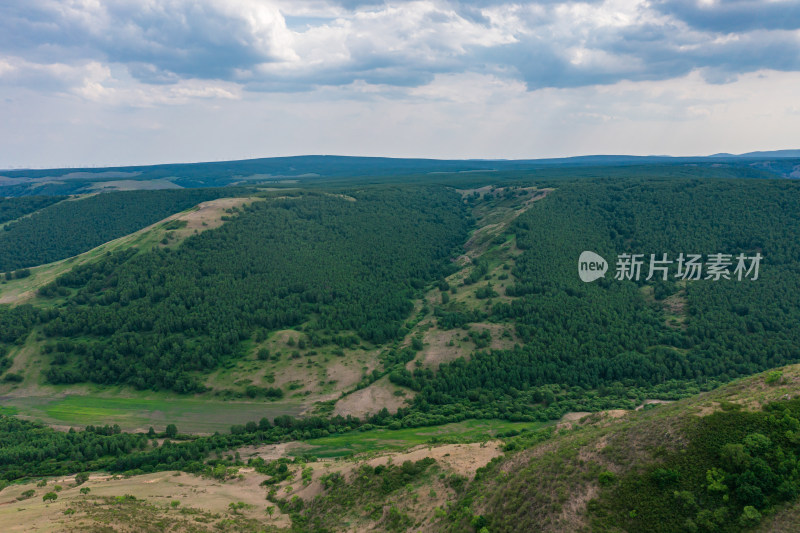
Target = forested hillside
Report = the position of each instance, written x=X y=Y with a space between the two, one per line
x=347 y=263
x=71 y=227
x=585 y=345
x=13 y=208
x=352 y=262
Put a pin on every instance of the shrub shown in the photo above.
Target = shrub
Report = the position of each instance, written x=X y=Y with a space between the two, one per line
x=774 y=377
x=606 y=478
x=25 y=495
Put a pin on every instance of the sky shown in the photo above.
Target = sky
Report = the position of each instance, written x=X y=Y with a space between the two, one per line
x=116 y=82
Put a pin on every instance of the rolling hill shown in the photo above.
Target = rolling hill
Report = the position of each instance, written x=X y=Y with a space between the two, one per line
x=341 y=314
x=310 y=169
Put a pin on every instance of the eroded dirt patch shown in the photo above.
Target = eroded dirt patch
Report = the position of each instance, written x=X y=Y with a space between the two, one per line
x=463 y=459
x=208 y=215
x=372 y=399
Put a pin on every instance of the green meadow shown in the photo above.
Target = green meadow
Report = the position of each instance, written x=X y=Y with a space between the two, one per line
x=398 y=439
x=191 y=415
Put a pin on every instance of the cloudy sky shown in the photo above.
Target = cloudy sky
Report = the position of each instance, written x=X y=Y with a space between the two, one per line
x=106 y=82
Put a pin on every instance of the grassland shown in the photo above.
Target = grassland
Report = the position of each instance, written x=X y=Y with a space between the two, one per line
x=305 y=373
x=140 y=503
x=135 y=411
x=78 y=406
x=399 y=439
x=181 y=502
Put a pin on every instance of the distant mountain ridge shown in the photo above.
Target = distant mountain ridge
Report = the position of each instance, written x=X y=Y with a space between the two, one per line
x=772 y=154
x=305 y=168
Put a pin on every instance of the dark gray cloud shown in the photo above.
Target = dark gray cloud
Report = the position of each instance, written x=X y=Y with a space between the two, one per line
x=160 y=42
x=293 y=46
x=731 y=16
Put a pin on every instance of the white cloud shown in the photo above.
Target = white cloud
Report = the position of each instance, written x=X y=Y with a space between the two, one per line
x=96 y=82
x=402 y=43
x=265 y=26
x=438 y=78
x=57 y=77
x=468 y=88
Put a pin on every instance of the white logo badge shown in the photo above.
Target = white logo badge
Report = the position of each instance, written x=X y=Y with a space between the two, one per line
x=591 y=267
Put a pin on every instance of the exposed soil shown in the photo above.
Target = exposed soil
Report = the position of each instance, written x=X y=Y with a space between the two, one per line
x=208 y=215
x=463 y=459
x=437 y=348
x=206 y=494
x=371 y=399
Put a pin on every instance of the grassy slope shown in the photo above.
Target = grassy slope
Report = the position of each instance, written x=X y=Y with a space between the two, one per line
x=547 y=487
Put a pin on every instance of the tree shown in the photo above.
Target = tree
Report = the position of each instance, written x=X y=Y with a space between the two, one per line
x=171 y=431
x=715 y=478
x=750 y=516
x=607 y=478
x=235 y=507
x=664 y=476
x=50 y=497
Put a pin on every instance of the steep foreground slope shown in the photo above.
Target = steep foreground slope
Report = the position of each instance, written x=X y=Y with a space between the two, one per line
x=725 y=460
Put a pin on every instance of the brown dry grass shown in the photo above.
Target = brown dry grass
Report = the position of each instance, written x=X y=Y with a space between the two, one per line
x=463 y=459
x=785 y=519
x=205 y=494
x=372 y=399
x=207 y=215
x=437 y=348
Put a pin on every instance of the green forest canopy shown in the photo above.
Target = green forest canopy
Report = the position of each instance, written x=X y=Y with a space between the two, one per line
x=67 y=228
x=150 y=320
x=610 y=337
x=161 y=319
